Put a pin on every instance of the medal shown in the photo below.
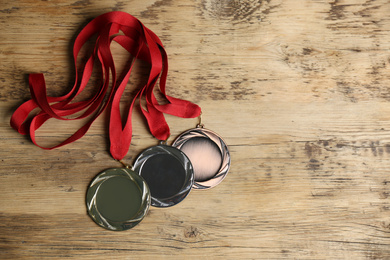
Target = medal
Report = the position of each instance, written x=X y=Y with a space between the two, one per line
x=162 y=175
x=118 y=199
x=168 y=172
x=208 y=154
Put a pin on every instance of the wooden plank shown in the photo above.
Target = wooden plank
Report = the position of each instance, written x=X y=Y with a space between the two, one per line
x=298 y=89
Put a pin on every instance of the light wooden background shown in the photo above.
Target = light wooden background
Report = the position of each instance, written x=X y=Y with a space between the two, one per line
x=298 y=89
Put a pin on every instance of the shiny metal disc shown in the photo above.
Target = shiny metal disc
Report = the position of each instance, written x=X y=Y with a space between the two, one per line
x=118 y=199
x=208 y=154
x=168 y=173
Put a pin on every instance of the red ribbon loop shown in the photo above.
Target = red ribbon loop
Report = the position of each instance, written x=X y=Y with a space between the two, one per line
x=142 y=44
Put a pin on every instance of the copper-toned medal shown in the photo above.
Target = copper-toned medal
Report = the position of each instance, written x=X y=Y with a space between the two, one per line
x=168 y=173
x=208 y=154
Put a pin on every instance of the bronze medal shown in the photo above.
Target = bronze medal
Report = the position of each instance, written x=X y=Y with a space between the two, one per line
x=208 y=154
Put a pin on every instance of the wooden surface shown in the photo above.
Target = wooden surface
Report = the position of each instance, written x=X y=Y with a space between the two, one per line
x=298 y=89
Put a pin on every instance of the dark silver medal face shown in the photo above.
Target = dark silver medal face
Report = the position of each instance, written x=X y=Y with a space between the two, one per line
x=168 y=173
x=208 y=154
x=118 y=199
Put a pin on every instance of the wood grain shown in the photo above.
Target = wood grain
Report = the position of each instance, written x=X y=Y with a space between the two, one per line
x=298 y=89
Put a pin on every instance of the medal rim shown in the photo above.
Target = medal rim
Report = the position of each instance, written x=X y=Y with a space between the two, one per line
x=225 y=154
x=93 y=189
x=182 y=158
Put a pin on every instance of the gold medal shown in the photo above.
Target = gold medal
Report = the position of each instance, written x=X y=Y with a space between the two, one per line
x=118 y=199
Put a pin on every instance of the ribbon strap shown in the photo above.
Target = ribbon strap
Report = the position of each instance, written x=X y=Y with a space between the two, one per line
x=142 y=44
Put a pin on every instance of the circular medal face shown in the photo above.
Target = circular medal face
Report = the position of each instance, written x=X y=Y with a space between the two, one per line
x=168 y=173
x=208 y=154
x=118 y=199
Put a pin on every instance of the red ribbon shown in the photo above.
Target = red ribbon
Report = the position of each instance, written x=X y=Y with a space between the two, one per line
x=143 y=44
